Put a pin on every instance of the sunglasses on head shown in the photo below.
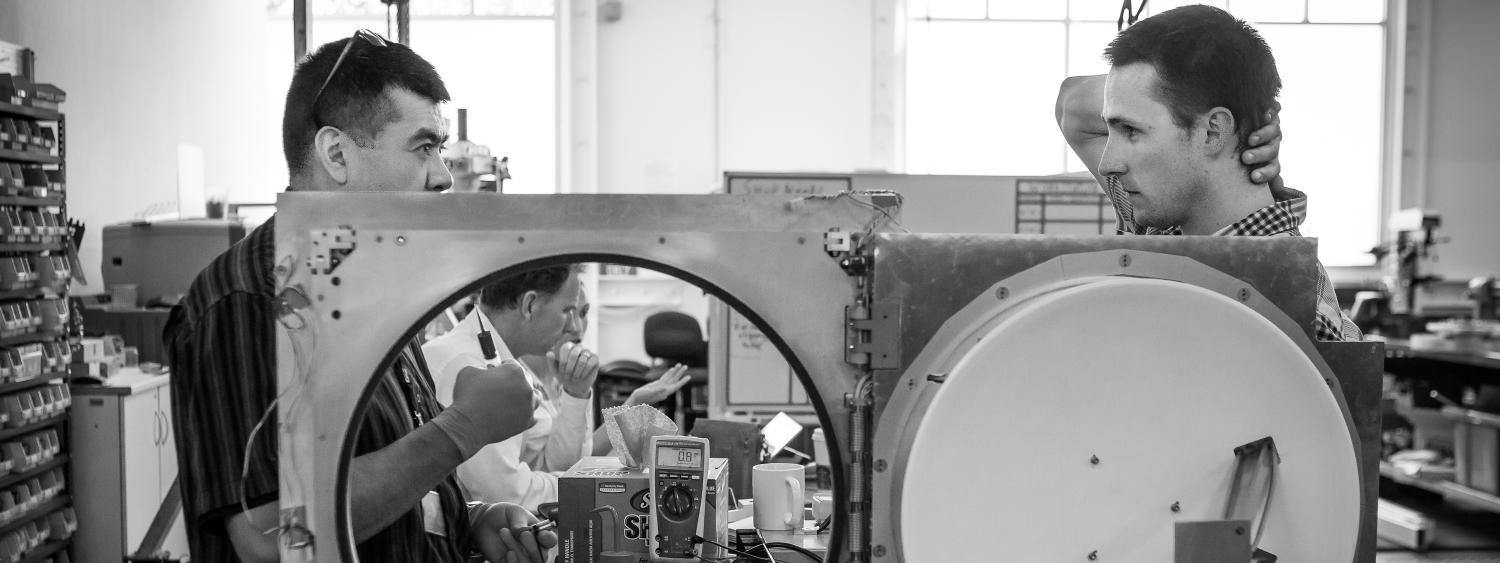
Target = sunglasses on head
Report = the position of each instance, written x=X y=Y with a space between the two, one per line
x=367 y=36
x=1129 y=16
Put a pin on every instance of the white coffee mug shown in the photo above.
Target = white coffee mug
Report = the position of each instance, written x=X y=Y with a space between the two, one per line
x=778 y=495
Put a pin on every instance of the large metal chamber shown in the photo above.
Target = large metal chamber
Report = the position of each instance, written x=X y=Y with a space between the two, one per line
x=852 y=314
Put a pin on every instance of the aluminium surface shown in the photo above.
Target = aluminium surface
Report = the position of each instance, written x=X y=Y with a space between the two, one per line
x=397 y=258
x=967 y=266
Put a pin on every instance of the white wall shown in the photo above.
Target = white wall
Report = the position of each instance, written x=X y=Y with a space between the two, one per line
x=1462 y=179
x=141 y=77
x=794 y=85
x=690 y=88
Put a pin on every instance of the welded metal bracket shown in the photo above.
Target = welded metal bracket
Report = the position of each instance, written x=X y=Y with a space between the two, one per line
x=1254 y=477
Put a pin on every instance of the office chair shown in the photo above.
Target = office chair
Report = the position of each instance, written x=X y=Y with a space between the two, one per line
x=677 y=338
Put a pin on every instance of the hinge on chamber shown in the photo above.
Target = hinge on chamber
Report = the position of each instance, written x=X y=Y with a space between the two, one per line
x=872 y=335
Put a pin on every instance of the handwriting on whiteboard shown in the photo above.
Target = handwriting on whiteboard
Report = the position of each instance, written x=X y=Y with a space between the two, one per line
x=745 y=336
x=789 y=185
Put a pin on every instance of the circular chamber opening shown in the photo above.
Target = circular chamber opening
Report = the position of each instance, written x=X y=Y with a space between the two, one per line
x=639 y=320
x=1108 y=427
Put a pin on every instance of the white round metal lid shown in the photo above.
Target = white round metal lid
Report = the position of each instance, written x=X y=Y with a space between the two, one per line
x=1159 y=381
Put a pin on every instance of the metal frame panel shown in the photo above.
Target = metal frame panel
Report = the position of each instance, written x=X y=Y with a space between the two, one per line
x=402 y=257
x=412 y=253
x=1275 y=277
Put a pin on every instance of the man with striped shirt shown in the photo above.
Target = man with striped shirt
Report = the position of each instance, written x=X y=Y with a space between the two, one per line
x=361 y=115
x=1166 y=133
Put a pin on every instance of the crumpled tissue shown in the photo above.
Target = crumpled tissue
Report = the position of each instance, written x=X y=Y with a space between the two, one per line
x=630 y=430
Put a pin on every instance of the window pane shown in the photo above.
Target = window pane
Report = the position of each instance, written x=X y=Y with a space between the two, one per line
x=1094 y=10
x=1347 y=11
x=346 y=8
x=1159 y=6
x=442 y=7
x=1332 y=120
x=960 y=9
x=1269 y=10
x=515 y=7
x=1032 y=10
x=1086 y=43
x=979 y=97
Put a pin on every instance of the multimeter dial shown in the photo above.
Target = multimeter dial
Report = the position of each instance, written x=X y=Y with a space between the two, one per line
x=677 y=502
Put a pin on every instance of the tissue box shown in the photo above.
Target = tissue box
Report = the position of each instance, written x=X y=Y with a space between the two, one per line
x=595 y=482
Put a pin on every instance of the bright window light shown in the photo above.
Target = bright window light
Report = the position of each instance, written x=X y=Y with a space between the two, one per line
x=981 y=84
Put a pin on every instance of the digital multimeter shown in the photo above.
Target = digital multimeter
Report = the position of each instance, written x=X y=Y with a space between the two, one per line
x=679 y=481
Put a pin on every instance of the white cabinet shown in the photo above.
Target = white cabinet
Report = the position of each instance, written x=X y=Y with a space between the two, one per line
x=124 y=462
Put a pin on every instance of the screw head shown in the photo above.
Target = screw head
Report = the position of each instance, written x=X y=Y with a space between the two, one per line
x=1124 y=260
x=1176 y=507
x=879 y=466
x=880 y=551
x=1244 y=294
x=1003 y=293
x=1094 y=460
x=1094 y=555
x=400 y=240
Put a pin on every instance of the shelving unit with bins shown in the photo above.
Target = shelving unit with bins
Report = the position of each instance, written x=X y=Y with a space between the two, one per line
x=37 y=518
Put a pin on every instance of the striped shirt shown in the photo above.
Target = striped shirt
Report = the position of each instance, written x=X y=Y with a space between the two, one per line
x=1279 y=219
x=222 y=343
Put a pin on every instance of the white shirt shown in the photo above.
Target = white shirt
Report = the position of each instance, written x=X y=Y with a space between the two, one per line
x=524 y=468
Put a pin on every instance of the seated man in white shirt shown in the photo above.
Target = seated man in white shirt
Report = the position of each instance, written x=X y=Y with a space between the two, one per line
x=540 y=315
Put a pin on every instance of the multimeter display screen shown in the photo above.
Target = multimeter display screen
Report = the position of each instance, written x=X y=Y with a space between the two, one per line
x=679 y=458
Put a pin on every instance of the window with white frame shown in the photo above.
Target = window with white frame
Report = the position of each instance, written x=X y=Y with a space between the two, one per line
x=497 y=57
x=982 y=78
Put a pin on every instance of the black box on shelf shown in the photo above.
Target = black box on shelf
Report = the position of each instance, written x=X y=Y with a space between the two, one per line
x=16 y=177
x=15 y=89
x=48 y=96
x=34 y=177
x=56 y=180
x=10 y=137
x=22 y=140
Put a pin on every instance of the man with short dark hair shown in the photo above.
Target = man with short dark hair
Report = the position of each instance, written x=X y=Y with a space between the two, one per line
x=361 y=115
x=538 y=316
x=1166 y=133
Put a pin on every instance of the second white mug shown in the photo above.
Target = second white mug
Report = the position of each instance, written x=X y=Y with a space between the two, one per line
x=778 y=495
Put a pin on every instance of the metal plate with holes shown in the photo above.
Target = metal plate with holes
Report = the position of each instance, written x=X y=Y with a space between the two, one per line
x=908 y=267
x=408 y=254
x=1111 y=406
